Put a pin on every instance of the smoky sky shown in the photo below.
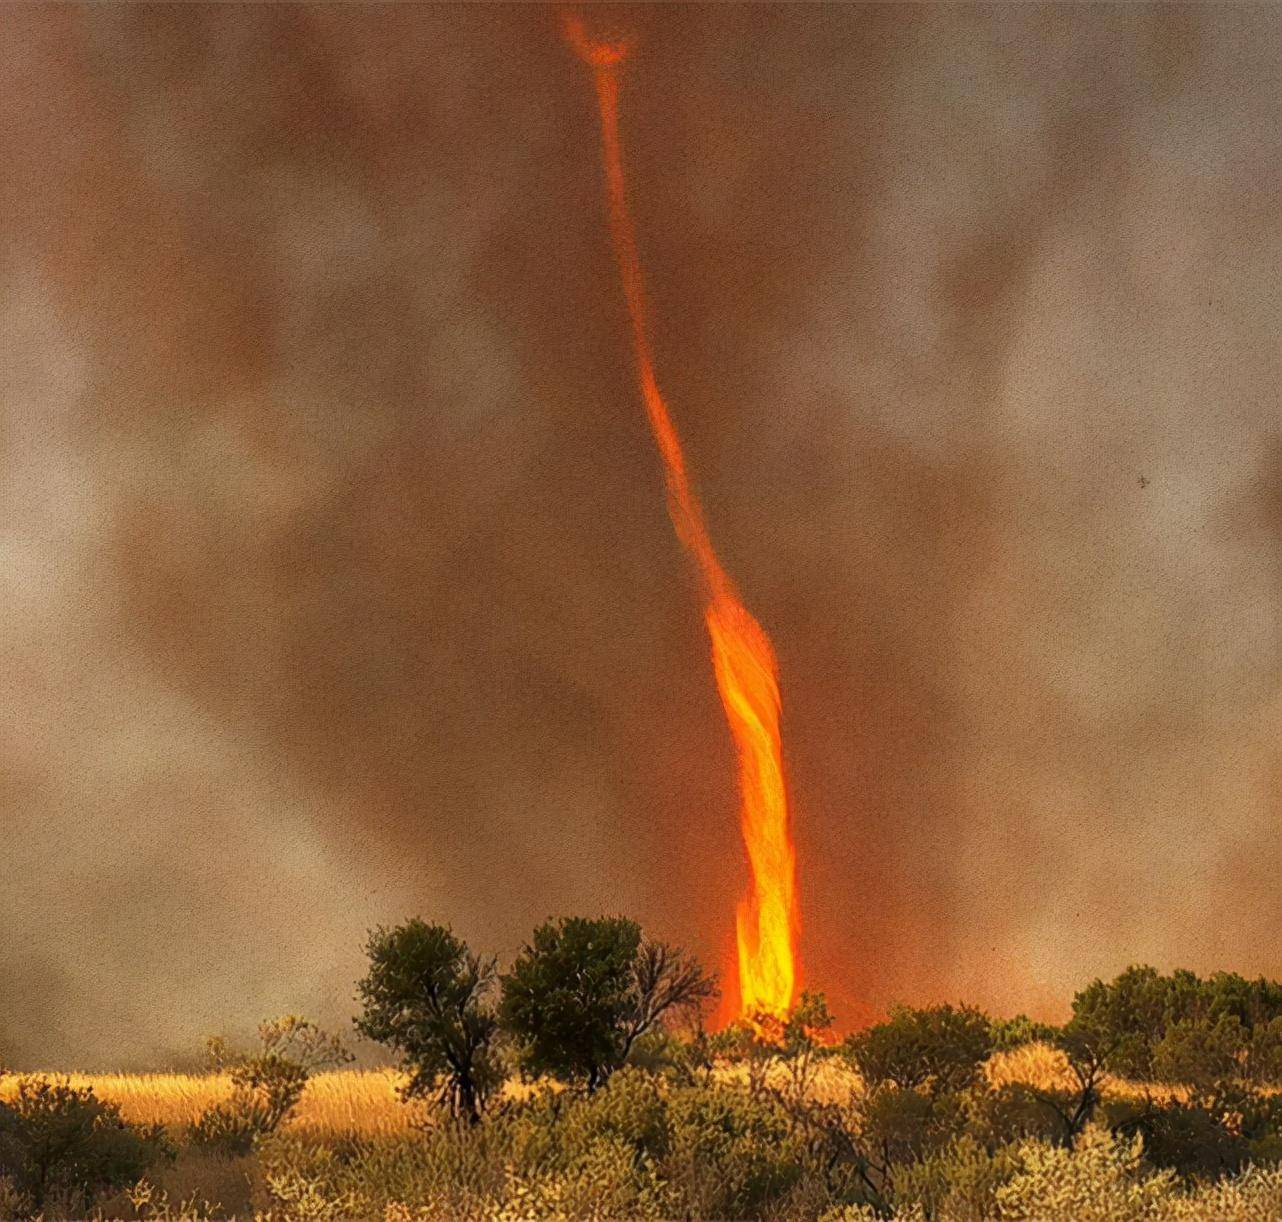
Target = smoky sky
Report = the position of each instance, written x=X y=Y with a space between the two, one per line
x=338 y=582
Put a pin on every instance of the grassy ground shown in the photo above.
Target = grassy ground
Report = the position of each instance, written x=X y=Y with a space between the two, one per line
x=347 y=1101
x=366 y=1102
x=718 y=1152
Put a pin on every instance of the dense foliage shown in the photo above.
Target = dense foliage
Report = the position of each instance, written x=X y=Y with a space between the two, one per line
x=428 y=997
x=62 y=1145
x=583 y=992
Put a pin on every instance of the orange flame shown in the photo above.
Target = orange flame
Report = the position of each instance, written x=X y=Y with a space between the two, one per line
x=742 y=656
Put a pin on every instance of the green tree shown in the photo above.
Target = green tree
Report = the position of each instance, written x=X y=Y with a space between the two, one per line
x=583 y=991
x=429 y=997
x=1121 y=1022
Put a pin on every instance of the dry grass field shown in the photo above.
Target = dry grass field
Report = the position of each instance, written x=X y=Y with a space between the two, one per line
x=1046 y=1067
x=345 y=1101
x=366 y=1102
x=519 y=1171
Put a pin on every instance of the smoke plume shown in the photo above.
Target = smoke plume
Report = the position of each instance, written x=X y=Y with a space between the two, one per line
x=337 y=579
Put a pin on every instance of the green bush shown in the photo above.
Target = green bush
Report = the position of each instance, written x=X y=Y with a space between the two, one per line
x=1012 y=1113
x=59 y=1142
x=940 y=1049
x=639 y=1147
x=898 y=1125
x=1153 y=1026
x=1195 y=1141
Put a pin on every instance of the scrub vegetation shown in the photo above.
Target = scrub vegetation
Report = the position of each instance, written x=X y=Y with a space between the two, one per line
x=581 y=1082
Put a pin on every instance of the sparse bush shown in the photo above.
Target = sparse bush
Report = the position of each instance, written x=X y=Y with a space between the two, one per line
x=266 y=1085
x=804 y=1044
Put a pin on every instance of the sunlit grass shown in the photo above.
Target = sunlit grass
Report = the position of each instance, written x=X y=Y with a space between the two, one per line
x=343 y=1101
x=1046 y=1068
x=365 y=1101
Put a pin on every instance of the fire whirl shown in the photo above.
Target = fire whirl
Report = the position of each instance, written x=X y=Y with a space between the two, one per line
x=742 y=656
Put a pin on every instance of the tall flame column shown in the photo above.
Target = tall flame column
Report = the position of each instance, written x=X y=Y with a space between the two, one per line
x=743 y=658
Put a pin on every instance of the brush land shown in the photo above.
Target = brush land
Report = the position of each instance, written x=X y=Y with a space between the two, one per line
x=1158 y=1099
x=367 y=1103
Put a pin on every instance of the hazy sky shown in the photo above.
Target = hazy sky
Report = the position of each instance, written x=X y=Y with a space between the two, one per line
x=337 y=580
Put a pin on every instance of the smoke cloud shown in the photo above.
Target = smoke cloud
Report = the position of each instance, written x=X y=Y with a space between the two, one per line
x=337 y=579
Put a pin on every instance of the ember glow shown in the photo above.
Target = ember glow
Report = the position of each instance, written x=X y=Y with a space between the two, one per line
x=743 y=658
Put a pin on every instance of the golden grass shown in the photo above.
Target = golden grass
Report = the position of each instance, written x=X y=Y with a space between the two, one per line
x=1045 y=1067
x=365 y=1102
x=344 y=1101
x=1039 y=1065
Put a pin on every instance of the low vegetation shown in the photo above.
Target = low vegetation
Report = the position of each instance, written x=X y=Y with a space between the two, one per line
x=581 y=1083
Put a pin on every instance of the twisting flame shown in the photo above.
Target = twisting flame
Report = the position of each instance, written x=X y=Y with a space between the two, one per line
x=743 y=660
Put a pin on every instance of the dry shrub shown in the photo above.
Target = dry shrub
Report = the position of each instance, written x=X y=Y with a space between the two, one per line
x=197 y=1185
x=1249 y=1197
x=1037 y=1065
x=1101 y=1179
x=638 y=1147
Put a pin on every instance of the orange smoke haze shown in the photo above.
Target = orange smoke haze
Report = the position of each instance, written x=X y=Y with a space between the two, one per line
x=334 y=585
x=743 y=659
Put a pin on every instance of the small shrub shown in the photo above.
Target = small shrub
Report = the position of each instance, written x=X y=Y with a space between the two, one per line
x=231 y=1129
x=958 y=1182
x=266 y=1085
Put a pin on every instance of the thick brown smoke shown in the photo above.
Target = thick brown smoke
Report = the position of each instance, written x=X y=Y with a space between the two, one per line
x=338 y=585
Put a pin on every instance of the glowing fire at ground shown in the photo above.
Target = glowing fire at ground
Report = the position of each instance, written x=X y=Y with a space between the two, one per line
x=743 y=659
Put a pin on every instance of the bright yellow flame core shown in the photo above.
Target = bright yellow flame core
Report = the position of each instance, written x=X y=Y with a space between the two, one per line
x=766 y=924
x=742 y=656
